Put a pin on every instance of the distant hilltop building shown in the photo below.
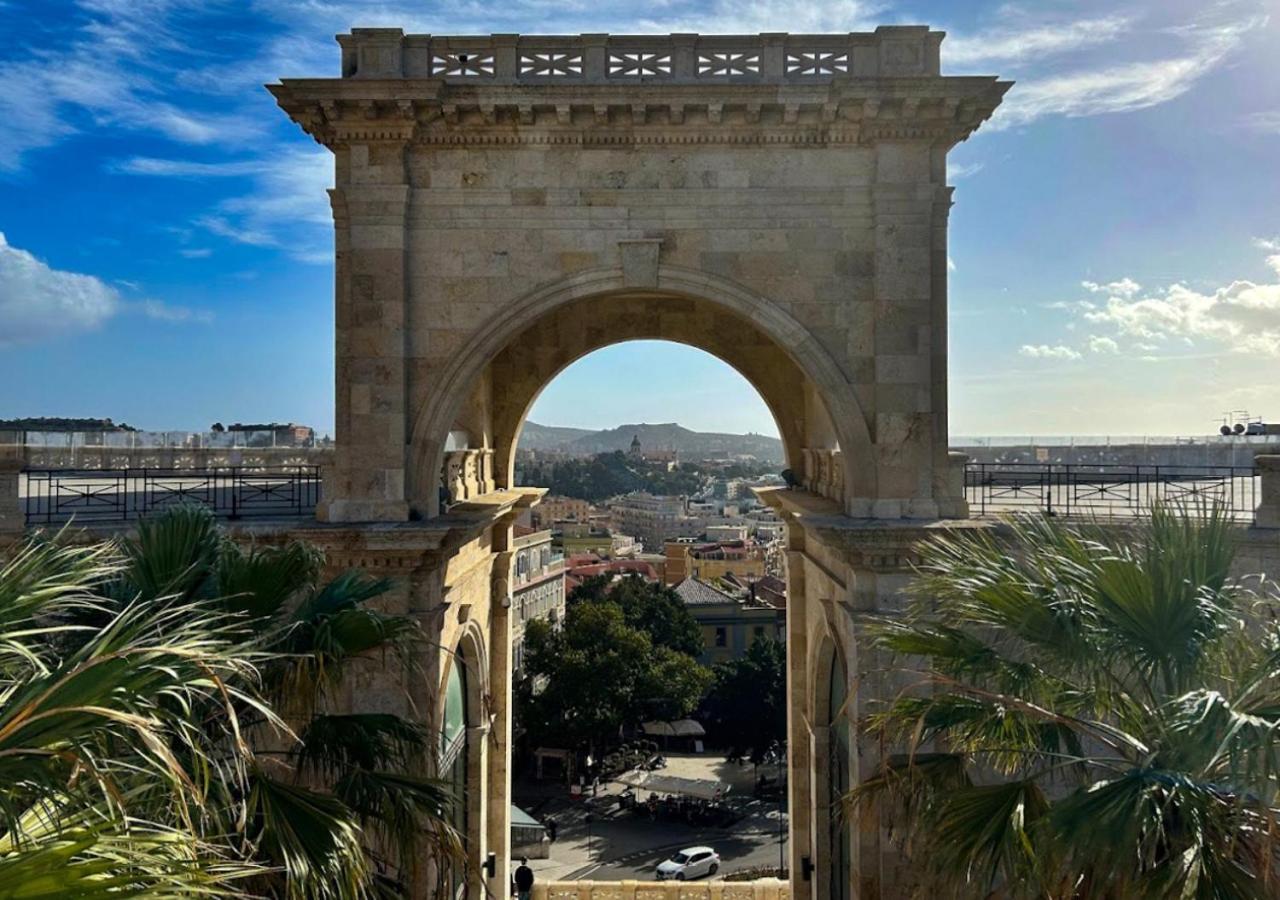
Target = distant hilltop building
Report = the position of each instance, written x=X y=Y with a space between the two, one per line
x=637 y=451
x=288 y=434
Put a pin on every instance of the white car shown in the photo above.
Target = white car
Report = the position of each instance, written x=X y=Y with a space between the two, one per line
x=692 y=862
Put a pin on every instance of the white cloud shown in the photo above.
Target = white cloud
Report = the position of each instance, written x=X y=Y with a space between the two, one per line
x=39 y=302
x=1045 y=351
x=1100 y=344
x=1242 y=316
x=1034 y=41
x=1272 y=246
x=1126 y=86
x=1125 y=287
x=196 y=252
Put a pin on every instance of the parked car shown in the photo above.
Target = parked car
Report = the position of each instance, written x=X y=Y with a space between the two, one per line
x=692 y=862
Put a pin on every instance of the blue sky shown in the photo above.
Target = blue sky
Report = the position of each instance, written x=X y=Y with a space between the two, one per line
x=1115 y=241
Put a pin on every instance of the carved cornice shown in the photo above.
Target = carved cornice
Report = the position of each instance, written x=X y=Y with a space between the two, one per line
x=846 y=110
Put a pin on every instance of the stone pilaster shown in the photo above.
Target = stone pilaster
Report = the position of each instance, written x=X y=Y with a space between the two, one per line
x=800 y=808
x=1268 y=513
x=905 y=417
x=498 y=769
x=370 y=205
x=12 y=516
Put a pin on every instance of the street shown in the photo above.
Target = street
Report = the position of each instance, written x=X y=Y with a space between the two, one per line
x=619 y=844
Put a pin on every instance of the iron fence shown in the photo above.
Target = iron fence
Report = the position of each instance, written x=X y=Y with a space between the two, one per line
x=55 y=496
x=1108 y=490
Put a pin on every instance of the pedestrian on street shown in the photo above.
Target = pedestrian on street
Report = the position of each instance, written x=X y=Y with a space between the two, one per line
x=552 y=828
x=524 y=880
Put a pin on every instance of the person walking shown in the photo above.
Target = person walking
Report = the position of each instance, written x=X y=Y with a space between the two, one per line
x=524 y=880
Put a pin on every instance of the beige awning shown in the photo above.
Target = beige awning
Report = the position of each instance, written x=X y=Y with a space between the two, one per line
x=678 y=728
x=702 y=788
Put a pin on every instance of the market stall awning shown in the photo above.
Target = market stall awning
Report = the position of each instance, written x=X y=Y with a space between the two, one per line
x=702 y=788
x=678 y=728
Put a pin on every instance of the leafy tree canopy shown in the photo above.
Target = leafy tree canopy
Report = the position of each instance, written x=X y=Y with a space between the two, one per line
x=746 y=709
x=585 y=681
x=653 y=608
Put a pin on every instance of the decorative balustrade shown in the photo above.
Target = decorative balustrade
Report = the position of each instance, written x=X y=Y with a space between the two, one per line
x=468 y=473
x=762 y=889
x=824 y=473
x=896 y=51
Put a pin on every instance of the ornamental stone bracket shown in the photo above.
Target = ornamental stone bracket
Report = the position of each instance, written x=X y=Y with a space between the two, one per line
x=615 y=90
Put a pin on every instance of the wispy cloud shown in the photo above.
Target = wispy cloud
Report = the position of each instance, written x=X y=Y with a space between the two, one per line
x=108 y=74
x=164 y=312
x=1267 y=122
x=287 y=207
x=956 y=171
x=1126 y=86
x=1033 y=41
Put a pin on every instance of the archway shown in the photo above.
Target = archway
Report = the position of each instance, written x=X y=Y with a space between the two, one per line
x=488 y=387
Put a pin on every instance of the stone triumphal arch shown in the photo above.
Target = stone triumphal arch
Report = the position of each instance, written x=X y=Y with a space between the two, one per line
x=506 y=204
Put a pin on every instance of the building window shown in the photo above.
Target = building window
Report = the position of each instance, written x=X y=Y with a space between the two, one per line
x=722 y=637
x=759 y=632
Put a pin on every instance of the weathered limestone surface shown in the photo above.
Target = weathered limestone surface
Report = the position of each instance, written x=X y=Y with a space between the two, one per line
x=507 y=204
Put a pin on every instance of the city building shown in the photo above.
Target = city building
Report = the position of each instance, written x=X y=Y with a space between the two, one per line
x=574 y=538
x=709 y=560
x=561 y=509
x=538 y=587
x=730 y=617
x=652 y=519
x=588 y=565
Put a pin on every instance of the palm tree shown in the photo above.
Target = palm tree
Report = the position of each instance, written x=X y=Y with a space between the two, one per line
x=1095 y=714
x=105 y=774
x=273 y=790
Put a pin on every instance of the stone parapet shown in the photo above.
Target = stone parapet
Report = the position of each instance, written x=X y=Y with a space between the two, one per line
x=773 y=58
x=762 y=889
x=12 y=519
x=669 y=89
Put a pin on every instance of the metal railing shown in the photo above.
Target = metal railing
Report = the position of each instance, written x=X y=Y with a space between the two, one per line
x=55 y=496
x=1107 y=490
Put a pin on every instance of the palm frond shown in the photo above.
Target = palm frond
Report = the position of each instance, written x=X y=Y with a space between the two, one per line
x=313 y=837
x=172 y=553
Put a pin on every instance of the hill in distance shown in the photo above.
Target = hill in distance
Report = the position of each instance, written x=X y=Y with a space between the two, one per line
x=670 y=436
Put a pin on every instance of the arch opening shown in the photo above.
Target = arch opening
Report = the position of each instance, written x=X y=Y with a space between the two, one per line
x=740 y=575
x=488 y=390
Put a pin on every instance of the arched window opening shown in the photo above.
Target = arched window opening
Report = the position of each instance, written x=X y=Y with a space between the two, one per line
x=453 y=760
x=838 y=831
